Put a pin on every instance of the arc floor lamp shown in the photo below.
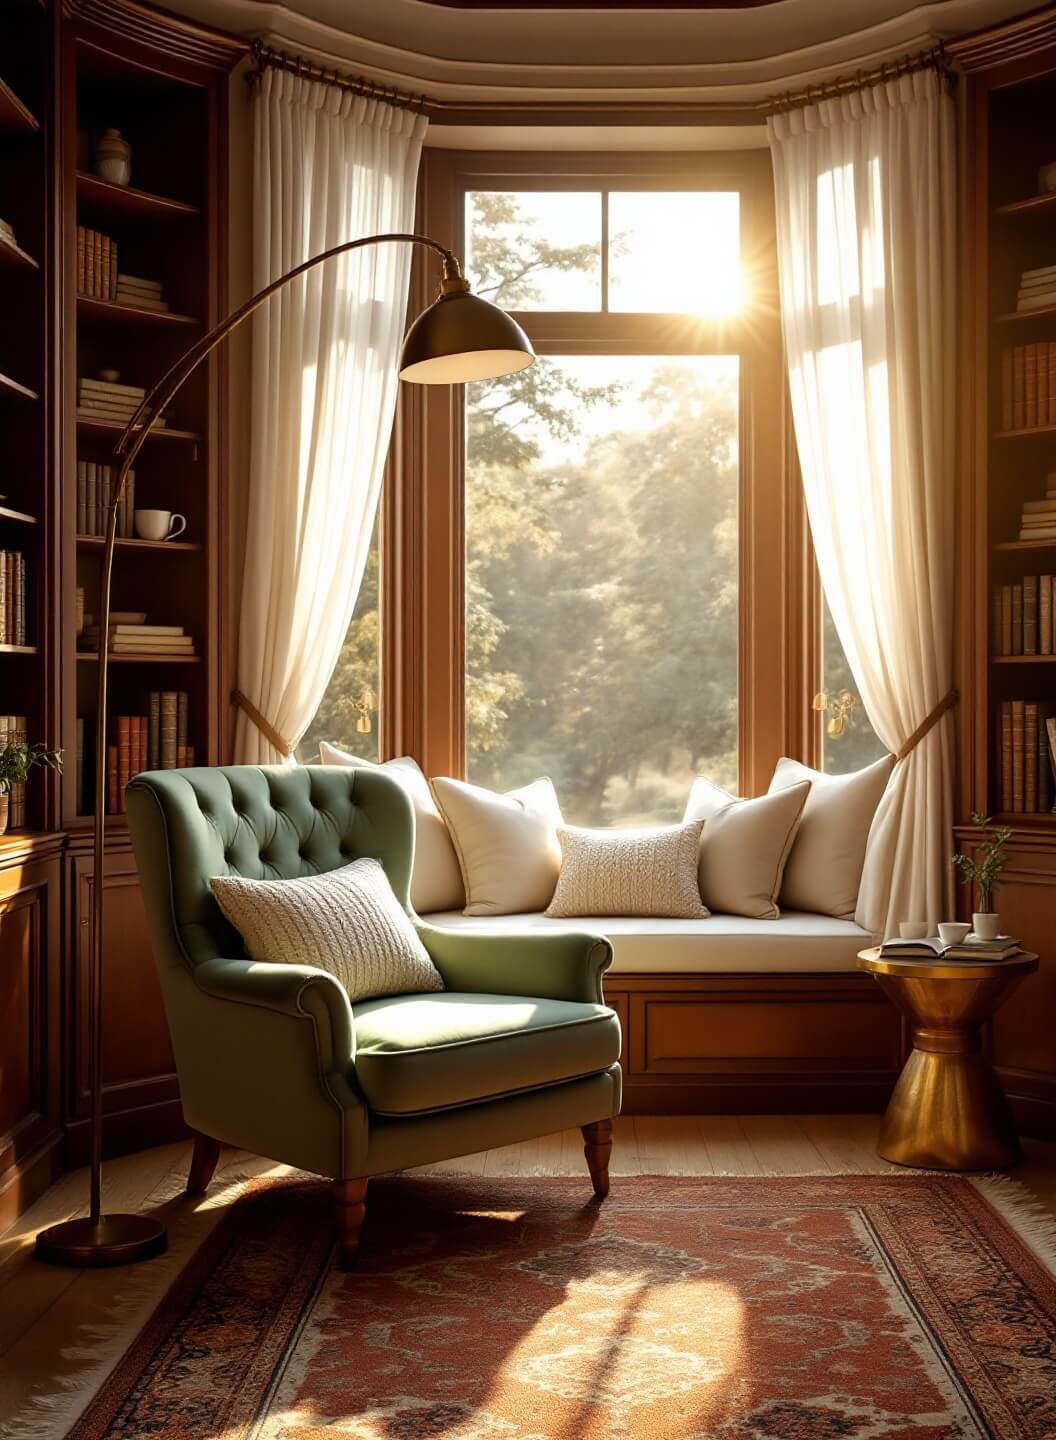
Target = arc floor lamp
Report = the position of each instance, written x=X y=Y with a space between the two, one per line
x=459 y=337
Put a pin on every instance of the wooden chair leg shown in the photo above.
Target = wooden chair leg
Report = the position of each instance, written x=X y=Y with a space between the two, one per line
x=349 y=1197
x=597 y=1147
x=203 y=1164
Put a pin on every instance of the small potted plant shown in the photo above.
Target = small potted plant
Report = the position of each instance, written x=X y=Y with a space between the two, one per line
x=17 y=759
x=983 y=869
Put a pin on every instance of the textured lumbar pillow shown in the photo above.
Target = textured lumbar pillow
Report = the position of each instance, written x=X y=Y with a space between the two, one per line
x=630 y=872
x=506 y=844
x=824 y=871
x=745 y=846
x=346 y=921
x=436 y=880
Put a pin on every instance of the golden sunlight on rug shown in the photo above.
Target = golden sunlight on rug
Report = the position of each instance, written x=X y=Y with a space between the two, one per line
x=876 y=1307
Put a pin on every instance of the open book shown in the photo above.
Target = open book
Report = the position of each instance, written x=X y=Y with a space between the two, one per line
x=1003 y=948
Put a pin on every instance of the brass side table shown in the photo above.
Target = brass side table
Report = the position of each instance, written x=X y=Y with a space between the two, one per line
x=948 y=1111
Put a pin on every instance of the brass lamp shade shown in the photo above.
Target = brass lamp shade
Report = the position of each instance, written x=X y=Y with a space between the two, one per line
x=461 y=337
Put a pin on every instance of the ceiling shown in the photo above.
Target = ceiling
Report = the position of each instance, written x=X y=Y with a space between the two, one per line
x=512 y=55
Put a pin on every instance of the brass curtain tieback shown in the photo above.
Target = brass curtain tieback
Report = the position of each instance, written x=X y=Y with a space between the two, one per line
x=263 y=724
x=928 y=723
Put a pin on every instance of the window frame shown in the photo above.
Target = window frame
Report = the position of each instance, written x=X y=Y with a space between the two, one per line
x=423 y=527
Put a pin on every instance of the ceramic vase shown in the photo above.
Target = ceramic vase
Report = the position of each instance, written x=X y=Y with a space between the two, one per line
x=986 y=924
x=113 y=158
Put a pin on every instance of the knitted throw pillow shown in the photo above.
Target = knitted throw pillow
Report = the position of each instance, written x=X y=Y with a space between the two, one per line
x=345 y=921
x=630 y=872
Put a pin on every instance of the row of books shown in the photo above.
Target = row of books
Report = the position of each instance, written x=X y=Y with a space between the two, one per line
x=1037 y=519
x=138 y=638
x=13 y=730
x=1024 y=617
x=1028 y=756
x=95 y=485
x=155 y=741
x=1037 y=288
x=96 y=264
x=1028 y=386
x=13 y=625
x=107 y=400
x=145 y=294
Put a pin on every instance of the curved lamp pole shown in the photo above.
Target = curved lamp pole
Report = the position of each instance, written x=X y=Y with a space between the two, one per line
x=458 y=338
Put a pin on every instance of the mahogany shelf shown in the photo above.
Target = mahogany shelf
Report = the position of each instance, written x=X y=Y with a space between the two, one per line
x=112 y=312
x=1011 y=316
x=13 y=114
x=1026 y=430
x=1023 y=659
x=19 y=650
x=129 y=542
x=111 y=429
x=126 y=202
x=1019 y=545
x=92 y=655
x=13 y=257
x=12 y=389
x=19 y=517
x=1033 y=205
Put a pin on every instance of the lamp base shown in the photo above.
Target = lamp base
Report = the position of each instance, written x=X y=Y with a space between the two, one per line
x=87 y=1244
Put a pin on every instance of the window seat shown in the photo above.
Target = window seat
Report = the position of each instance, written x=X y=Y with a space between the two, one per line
x=735 y=1016
x=797 y=943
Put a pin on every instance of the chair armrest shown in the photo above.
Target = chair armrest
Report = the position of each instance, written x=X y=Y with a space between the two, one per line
x=564 y=965
x=300 y=991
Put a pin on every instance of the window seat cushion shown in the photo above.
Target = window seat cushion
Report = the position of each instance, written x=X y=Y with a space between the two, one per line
x=797 y=942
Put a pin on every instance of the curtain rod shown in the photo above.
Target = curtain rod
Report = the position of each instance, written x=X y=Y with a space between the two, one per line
x=265 y=56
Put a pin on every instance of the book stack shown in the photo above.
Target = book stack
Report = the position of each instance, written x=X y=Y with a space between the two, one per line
x=107 y=400
x=1028 y=756
x=135 y=637
x=933 y=948
x=7 y=234
x=94 y=489
x=13 y=730
x=146 y=294
x=96 y=264
x=1037 y=288
x=1038 y=519
x=1024 y=617
x=1028 y=386
x=155 y=741
x=125 y=758
x=12 y=598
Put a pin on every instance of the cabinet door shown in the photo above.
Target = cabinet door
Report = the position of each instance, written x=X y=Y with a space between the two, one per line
x=140 y=1095
x=1023 y=1036
x=30 y=1120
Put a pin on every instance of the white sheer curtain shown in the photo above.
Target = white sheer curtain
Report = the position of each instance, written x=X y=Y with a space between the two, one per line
x=328 y=166
x=866 y=218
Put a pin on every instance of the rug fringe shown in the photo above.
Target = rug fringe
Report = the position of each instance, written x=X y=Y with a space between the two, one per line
x=1028 y=1216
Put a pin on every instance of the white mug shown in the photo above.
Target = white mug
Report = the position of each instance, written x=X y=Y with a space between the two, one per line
x=159 y=524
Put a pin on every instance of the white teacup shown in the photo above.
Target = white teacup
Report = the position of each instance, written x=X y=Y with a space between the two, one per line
x=913 y=929
x=159 y=524
x=952 y=932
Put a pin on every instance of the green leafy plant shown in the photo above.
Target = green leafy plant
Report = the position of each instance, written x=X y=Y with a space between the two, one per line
x=17 y=759
x=983 y=868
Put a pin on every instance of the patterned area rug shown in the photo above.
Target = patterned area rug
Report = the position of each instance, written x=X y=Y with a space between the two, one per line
x=902 y=1307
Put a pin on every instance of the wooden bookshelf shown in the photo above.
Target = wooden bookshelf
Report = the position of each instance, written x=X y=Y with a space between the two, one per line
x=1009 y=96
x=13 y=257
x=109 y=312
x=101 y=199
x=13 y=390
x=110 y=430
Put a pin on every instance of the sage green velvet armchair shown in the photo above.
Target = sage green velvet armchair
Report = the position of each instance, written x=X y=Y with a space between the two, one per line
x=274 y=1059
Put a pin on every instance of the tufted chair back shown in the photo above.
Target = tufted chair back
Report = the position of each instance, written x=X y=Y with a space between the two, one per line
x=263 y=822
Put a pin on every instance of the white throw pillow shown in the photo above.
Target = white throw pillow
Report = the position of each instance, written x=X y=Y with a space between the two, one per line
x=824 y=871
x=345 y=921
x=648 y=871
x=745 y=846
x=506 y=844
x=436 y=880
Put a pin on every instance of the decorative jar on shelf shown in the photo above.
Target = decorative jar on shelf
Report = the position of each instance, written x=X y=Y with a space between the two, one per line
x=113 y=158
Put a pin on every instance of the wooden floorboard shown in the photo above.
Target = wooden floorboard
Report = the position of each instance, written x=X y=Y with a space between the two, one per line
x=45 y=1311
